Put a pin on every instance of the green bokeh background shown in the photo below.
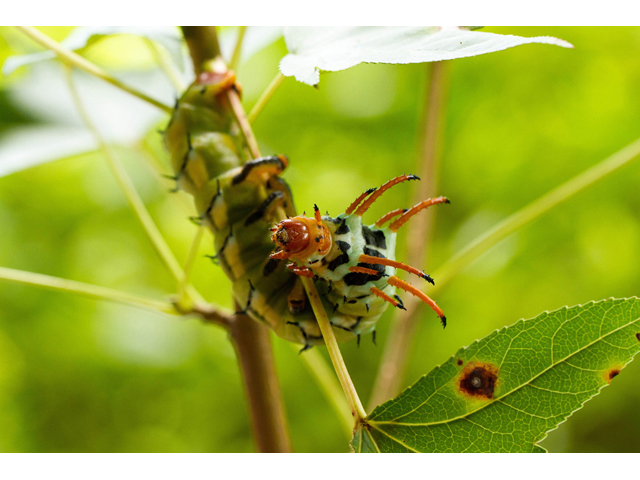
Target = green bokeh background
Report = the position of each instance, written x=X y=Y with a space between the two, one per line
x=81 y=375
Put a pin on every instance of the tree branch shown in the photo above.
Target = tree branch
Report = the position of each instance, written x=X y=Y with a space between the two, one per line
x=250 y=339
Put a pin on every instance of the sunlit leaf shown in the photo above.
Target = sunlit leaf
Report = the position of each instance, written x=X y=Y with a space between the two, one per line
x=505 y=392
x=316 y=49
x=81 y=37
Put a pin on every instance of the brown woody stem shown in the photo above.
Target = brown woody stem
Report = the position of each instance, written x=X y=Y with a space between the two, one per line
x=250 y=339
x=253 y=348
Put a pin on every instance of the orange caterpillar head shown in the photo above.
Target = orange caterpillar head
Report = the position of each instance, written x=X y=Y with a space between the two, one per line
x=300 y=237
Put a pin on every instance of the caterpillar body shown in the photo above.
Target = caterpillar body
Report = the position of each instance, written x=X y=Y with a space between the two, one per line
x=241 y=201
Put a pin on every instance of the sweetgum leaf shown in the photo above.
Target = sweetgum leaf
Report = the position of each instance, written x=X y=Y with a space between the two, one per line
x=315 y=49
x=505 y=392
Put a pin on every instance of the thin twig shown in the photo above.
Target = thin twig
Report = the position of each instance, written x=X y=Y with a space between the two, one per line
x=73 y=59
x=237 y=51
x=191 y=258
x=398 y=347
x=132 y=195
x=326 y=380
x=265 y=97
x=330 y=341
x=84 y=289
x=245 y=127
x=533 y=211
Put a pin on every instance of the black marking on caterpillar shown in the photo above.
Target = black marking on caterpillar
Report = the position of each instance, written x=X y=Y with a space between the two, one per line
x=185 y=160
x=400 y=303
x=260 y=211
x=374 y=238
x=226 y=240
x=343 y=246
x=246 y=169
x=213 y=201
x=270 y=266
x=340 y=327
x=342 y=228
x=336 y=262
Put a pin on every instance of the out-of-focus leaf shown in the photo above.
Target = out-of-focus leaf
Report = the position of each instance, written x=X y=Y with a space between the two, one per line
x=315 y=49
x=505 y=392
x=24 y=147
x=255 y=39
x=44 y=94
x=81 y=37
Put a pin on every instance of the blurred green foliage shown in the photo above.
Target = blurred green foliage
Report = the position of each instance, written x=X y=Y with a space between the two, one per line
x=79 y=375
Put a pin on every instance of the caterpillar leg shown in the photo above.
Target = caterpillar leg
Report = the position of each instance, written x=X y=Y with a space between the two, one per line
x=302 y=271
x=396 y=282
x=415 y=209
x=279 y=255
x=379 y=293
x=297 y=299
x=272 y=166
x=395 y=264
x=376 y=194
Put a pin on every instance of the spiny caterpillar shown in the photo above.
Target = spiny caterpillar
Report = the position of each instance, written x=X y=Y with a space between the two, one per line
x=353 y=263
x=240 y=199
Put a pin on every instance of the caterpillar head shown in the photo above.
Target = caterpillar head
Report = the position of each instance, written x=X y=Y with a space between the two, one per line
x=301 y=238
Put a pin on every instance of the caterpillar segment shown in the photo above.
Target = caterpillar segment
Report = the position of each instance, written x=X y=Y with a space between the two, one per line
x=354 y=264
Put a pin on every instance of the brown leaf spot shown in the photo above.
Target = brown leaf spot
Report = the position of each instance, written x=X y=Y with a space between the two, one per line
x=638 y=336
x=478 y=380
x=460 y=362
x=614 y=372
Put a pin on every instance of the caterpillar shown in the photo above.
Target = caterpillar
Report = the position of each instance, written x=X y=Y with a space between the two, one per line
x=242 y=201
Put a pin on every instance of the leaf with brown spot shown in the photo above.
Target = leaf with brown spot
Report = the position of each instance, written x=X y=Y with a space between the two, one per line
x=516 y=385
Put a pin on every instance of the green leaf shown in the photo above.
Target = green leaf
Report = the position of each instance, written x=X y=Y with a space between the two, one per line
x=315 y=49
x=505 y=392
x=81 y=37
